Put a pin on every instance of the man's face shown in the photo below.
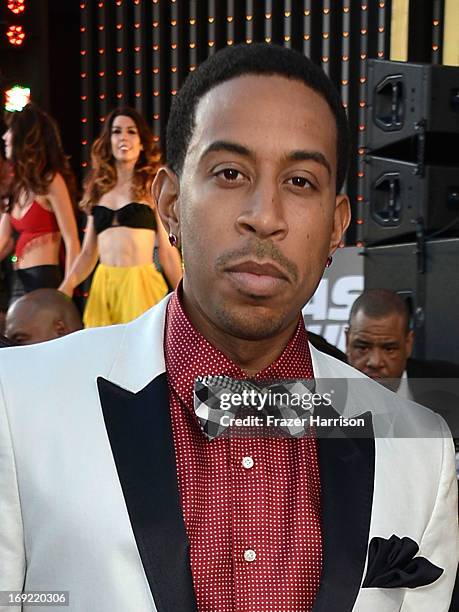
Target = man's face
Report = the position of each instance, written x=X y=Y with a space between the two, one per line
x=257 y=210
x=27 y=325
x=379 y=347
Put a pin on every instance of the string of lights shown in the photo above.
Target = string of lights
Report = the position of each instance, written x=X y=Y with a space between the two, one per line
x=155 y=43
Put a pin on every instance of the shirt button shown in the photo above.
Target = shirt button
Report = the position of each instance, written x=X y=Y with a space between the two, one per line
x=247 y=462
x=250 y=555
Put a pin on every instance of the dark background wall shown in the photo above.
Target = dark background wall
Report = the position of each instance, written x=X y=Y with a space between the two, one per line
x=139 y=52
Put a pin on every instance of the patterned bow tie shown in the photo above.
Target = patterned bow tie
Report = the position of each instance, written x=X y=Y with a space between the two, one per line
x=252 y=408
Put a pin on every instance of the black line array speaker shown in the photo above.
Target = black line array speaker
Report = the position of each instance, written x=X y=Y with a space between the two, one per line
x=404 y=97
x=399 y=197
x=411 y=178
x=429 y=279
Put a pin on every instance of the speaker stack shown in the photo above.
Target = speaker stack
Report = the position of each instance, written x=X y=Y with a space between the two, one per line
x=410 y=209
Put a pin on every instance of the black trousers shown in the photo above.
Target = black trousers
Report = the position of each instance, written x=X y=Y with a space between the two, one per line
x=37 y=277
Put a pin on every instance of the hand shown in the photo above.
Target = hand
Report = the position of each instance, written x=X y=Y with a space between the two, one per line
x=64 y=287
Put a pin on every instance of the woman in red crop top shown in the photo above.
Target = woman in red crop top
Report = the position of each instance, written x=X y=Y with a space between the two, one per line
x=40 y=209
x=122 y=226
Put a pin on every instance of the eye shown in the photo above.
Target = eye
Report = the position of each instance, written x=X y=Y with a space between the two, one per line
x=18 y=339
x=230 y=174
x=300 y=181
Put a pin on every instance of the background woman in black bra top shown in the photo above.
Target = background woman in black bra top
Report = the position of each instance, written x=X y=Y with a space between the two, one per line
x=122 y=226
x=40 y=209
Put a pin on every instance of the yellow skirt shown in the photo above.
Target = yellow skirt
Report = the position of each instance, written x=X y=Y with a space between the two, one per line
x=119 y=294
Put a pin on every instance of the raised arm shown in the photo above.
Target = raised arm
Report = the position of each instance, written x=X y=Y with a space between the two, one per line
x=86 y=261
x=59 y=199
x=169 y=256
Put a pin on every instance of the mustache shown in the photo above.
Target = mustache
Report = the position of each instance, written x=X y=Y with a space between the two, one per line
x=259 y=250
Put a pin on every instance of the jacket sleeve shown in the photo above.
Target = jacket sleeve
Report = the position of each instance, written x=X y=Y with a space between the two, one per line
x=440 y=542
x=12 y=554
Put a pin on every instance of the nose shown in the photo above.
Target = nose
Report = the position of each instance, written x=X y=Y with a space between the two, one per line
x=375 y=360
x=262 y=212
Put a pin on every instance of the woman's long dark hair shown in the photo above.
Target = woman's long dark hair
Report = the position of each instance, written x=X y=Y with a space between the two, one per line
x=102 y=176
x=36 y=152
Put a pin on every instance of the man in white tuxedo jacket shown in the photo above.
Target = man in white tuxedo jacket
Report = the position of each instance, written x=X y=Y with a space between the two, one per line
x=112 y=489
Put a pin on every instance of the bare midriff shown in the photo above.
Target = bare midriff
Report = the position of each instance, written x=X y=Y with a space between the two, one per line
x=40 y=251
x=126 y=246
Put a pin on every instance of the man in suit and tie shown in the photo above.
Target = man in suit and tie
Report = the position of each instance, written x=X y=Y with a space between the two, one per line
x=379 y=342
x=113 y=487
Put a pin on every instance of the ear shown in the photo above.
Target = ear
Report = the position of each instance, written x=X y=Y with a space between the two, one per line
x=60 y=328
x=409 y=342
x=341 y=220
x=165 y=191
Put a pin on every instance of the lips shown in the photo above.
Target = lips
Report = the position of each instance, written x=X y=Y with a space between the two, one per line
x=259 y=269
x=257 y=279
x=374 y=375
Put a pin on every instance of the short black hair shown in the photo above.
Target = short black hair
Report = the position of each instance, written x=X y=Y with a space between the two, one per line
x=379 y=303
x=260 y=59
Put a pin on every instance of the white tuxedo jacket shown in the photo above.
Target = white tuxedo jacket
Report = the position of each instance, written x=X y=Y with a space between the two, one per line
x=89 y=500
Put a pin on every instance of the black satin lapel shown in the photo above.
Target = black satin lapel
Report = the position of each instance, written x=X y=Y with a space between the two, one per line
x=140 y=433
x=347 y=481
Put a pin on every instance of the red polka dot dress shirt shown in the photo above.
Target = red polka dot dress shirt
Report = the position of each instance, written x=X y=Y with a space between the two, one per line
x=251 y=507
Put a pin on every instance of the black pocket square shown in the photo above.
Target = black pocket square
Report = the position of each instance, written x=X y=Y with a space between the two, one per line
x=392 y=564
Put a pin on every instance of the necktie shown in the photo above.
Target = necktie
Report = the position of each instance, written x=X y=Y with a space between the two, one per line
x=263 y=408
